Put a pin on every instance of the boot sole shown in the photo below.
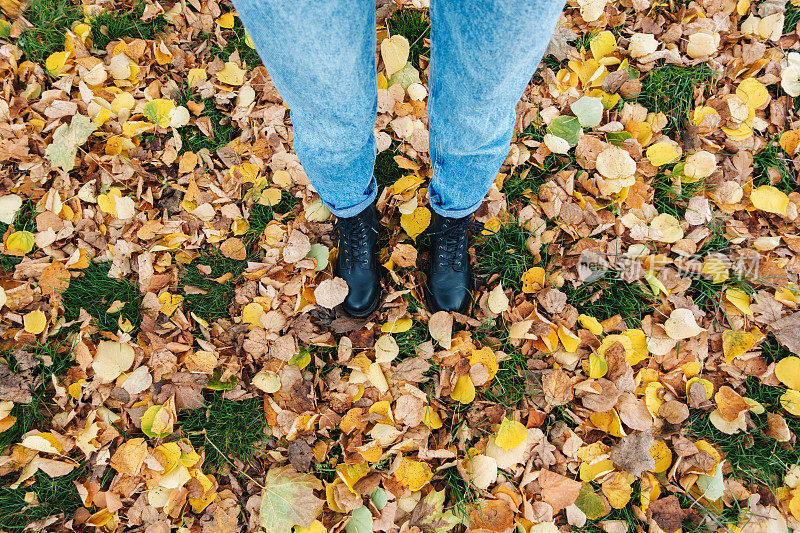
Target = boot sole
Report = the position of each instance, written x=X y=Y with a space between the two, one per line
x=366 y=313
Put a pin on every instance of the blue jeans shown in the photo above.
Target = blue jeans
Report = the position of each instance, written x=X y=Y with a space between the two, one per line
x=321 y=56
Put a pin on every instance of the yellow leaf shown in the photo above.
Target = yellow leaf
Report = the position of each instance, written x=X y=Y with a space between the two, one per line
x=570 y=340
x=791 y=402
x=639 y=351
x=618 y=490
x=716 y=269
x=169 y=302
x=231 y=74
x=394 y=51
x=662 y=153
x=533 y=280
x=195 y=76
x=464 y=391
x=589 y=471
x=157 y=111
x=486 y=356
x=431 y=418
x=707 y=386
x=225 y=20
x=603 y=44
x=609 y=422
x=416 y=222
x=251 y=314
x=699 y=165
x=740 y=299
x=401 y=325
x=413 y=474
x=35 y=322
x=770 y=199
x=662 y=455
x=56 y=61
x=736 y=343
x=597 y=366
x=249 y=41
x=753 y=93
x=591 y=323
x=20 y=242
x=315 y=527
x=787 y=370
x=511 y=434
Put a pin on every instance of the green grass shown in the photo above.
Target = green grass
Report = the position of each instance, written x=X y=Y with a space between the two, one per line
x=25 y=220
x=673 y=197
x=225 y=429
x=387 y=171
x=223 y=131
x=409 y=340
x=754 y=457
x=772 y=350
x=504 y=253
x=54 y=359
x=626 y=514
x=792 y=17
x=528 y=180
x=708 y=295
x=236 y=42
x=261 y=215
x=50 y=19
x=114 y=25
x=96 y=292
x=772 y=156
x=461 y=495
x=414 y=26
x=717 y=241
x=216 y=301
x=669 y=89
x=609 y=296
x=54 y=496
x=511 y=383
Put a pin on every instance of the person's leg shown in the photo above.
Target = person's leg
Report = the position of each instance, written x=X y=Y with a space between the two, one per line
x=321 y=57
x=483 y=55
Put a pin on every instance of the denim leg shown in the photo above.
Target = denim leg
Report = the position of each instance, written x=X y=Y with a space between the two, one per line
x=321 y=57
x=483 y=55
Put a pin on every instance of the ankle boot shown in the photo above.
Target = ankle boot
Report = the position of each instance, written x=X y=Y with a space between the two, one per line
x=358 y=261
x=449 y=271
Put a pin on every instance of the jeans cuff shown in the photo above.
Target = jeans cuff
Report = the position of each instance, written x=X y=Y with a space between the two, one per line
x=454 y=213
x=359 y=207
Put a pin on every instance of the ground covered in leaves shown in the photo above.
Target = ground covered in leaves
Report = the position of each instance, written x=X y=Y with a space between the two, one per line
x=172 y=356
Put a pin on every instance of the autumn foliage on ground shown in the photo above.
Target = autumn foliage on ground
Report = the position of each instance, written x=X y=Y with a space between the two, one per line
x=172 y=353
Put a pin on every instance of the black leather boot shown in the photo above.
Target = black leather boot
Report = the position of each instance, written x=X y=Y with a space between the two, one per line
x=358 y=261
x=449 y=271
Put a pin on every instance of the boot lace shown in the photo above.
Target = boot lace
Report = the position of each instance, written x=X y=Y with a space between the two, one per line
x=354 y=239
x=453 y=241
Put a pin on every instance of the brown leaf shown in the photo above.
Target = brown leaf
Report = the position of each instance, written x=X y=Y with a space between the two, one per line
x=492 y=515
x=297 y=247
x=234 y=248
x=440 y=326
x=787 y=331
x=557 y=387
x=667 y=513
x=557 y=490
x=331 y=292
x=730 y=403
x=632 y=453
x=300 y=455
x=404 y=255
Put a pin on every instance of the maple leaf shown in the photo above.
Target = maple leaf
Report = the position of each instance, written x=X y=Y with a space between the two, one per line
x=66 y=140
x=288 y=500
